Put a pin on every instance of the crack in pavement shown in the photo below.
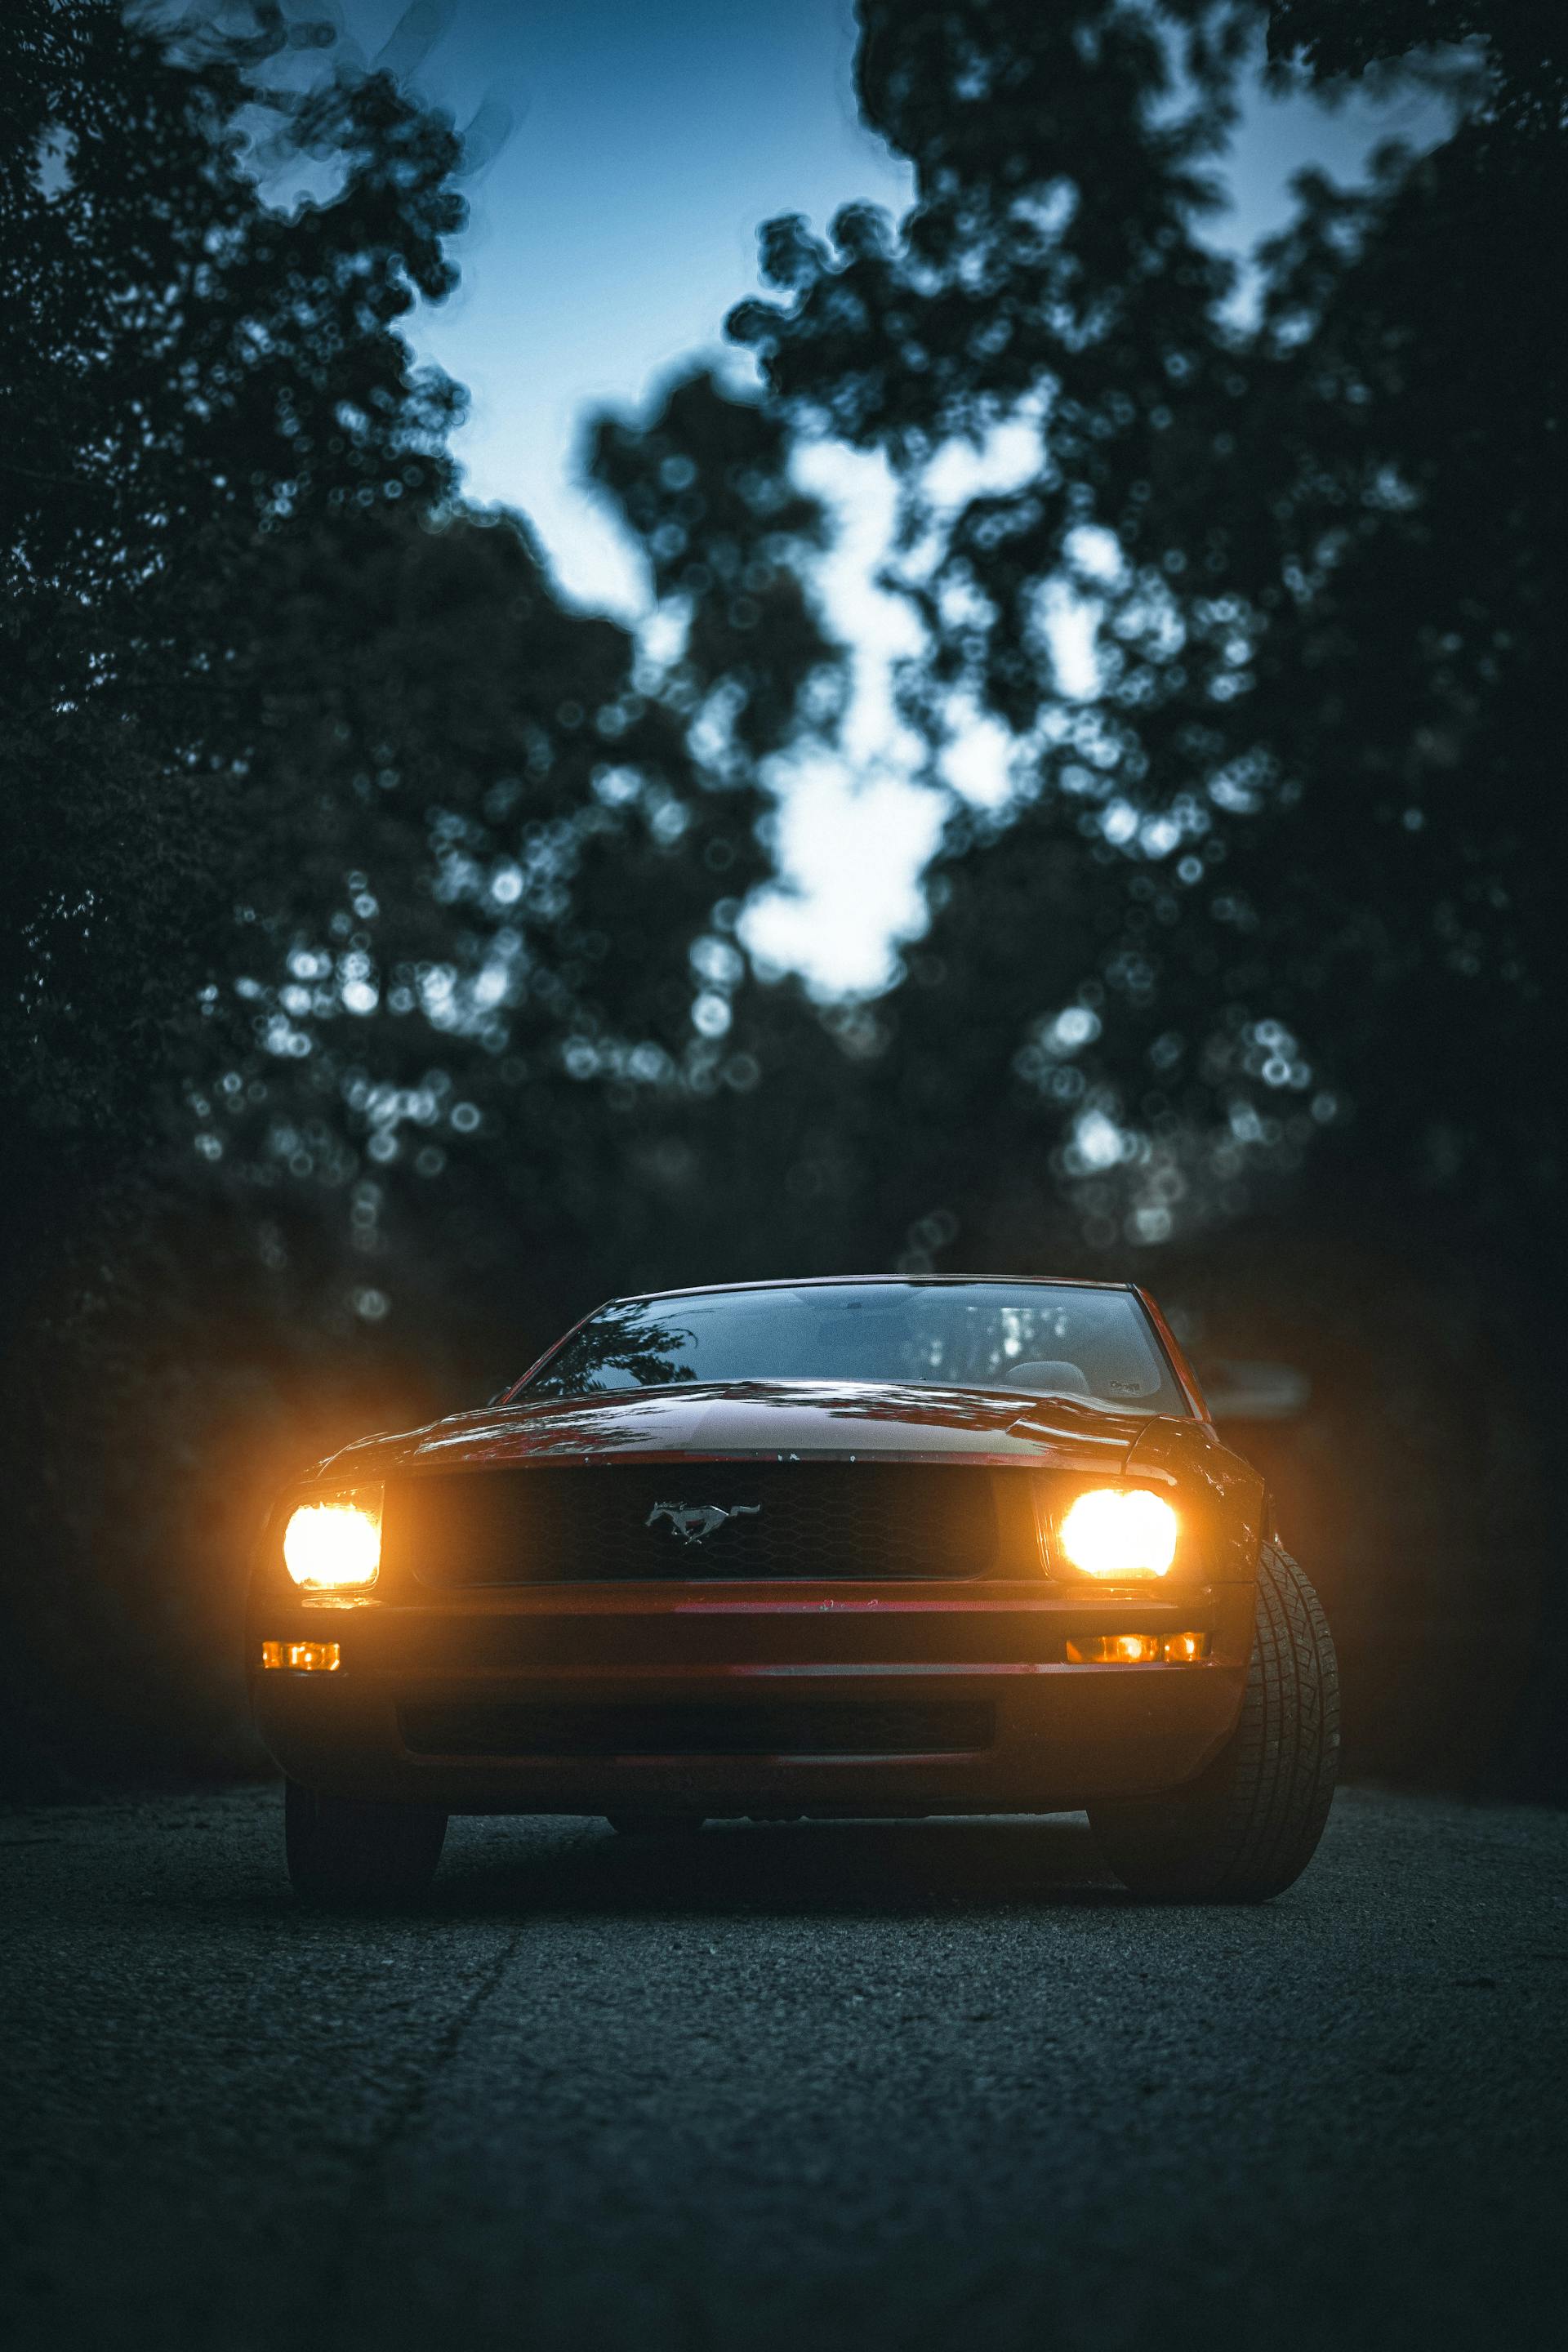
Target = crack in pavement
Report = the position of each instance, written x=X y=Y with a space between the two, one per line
x=914 y=2084
x=402 y=2122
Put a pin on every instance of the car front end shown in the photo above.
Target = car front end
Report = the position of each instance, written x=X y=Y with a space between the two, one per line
x=761 y=1599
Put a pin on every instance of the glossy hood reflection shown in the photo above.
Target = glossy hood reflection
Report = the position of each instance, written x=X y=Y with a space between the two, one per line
x=766 y=1420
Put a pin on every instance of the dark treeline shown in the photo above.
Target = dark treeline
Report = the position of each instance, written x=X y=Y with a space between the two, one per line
x=372 y=992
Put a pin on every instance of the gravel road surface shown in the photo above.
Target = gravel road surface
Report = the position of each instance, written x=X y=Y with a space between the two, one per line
x=925 y=2085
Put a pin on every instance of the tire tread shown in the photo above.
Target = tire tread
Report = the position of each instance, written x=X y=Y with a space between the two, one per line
x=1250 y=1825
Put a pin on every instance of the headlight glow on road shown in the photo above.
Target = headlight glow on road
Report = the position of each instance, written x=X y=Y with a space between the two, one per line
x=1120 y=1532
x=336 y=1547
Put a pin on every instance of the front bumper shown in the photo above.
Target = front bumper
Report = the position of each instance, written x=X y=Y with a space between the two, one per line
x=1055 y=1734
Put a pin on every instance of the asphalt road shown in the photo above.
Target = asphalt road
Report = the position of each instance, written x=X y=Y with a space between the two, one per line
x=927 y=2085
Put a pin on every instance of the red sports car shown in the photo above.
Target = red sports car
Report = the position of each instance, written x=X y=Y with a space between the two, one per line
x=886 y=1546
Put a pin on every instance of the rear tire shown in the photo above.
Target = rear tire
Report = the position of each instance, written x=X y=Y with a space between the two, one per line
x=349 y=1854
x=1247 y=1827
x=655 y=1824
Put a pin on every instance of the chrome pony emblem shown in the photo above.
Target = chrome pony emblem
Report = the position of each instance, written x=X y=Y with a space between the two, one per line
x=694 y=1521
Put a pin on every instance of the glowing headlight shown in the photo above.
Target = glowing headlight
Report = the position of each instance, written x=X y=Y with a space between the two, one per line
x=334 y=1546
x=1120 y=1532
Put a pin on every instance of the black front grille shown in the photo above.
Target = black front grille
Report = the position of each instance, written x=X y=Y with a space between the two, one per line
x=803 y=1728
x=698 y=1521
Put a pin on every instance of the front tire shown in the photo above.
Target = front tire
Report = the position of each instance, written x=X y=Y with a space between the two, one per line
x=345 y=1854
x=1247 y=1827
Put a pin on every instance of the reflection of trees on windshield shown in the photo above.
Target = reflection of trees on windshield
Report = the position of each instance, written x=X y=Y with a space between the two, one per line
x=621 y=1348
x=979 y=1344
x=1094 y=1345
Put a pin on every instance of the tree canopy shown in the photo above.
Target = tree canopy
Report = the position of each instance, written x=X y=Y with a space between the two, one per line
x=195 y=375
x=368 y=911
x=1281 y=881
x=315 y=782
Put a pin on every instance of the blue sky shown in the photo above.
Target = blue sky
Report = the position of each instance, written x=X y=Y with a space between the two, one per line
x=618 y=223
x=610 y=233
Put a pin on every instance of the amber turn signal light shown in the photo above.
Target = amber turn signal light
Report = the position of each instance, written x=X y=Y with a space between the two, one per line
x=1136 y=1649
x=303 y=1657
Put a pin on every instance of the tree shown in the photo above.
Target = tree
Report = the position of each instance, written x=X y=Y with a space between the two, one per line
x=369 y=984
x=1294 y=853
x=368 y=913
x=1259 y=972
x=496 y=856
x=195 y=375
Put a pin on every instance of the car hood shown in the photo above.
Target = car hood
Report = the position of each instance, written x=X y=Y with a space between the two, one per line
x=770 y=1420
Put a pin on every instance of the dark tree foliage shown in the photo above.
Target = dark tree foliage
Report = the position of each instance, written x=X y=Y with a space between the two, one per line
x=489 y=968
x=1516 y=46
x=705 y=487
x=1290 y=870
x=1261 y=967
x=191 y=375
x=369 y=975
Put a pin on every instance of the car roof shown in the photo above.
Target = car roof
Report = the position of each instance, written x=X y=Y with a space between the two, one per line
x=833 y=1281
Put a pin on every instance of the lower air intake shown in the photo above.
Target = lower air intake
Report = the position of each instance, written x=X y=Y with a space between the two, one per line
x=850 y=1729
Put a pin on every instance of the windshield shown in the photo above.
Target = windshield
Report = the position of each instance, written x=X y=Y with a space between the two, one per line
x=1035 y=1337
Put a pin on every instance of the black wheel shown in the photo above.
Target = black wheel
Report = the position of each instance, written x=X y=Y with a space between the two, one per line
x=1247 y=1827
x=655 y=1824
x=344 y=1853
